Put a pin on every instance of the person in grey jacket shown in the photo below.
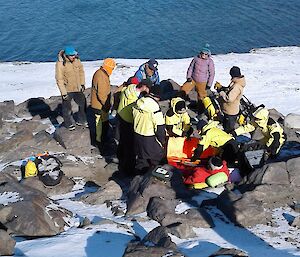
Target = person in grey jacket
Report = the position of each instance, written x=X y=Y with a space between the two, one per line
x=200 y=74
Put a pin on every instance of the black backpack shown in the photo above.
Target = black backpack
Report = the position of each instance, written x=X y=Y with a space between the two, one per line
x=49 y=169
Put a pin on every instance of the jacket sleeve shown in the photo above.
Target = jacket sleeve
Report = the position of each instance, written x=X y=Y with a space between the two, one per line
x=59 y=76
x=274 y=143
x=139 y=74
x=81 y=74
x=159 y=124
x=247 y=128
x=186 y=122
x=211 y=72
x=190 y=69
x=103 y=95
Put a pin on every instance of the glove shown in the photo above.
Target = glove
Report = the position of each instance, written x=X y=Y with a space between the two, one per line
x=189 y=132
x=218 y=86
x=65 y=97
x=189 y=80
x=82 y=88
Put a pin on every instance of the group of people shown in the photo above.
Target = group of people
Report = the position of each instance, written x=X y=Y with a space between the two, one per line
x=144 y=129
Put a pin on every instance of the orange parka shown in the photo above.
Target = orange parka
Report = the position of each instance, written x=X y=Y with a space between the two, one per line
x=69 y=75
x=100 y=94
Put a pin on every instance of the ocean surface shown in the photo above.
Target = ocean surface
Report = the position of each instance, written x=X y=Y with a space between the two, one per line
x=35 y=30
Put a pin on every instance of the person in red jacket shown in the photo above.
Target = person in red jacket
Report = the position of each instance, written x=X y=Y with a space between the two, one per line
x=200 y=174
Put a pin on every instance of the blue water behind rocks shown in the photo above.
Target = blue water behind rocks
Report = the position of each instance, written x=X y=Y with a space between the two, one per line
x=34 y=30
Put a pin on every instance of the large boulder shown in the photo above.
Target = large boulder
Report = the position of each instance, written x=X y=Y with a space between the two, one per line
x=7 y=109
x=293 y=168
x=76 y=142
x=271 y=174
x=15 y=141
x=142 y=188
x=292 y=120
x=241 y=209
x=29 y=212
x=156 y=243
x=109 y=192
x=7 y=244
x=163 y=211
x=65 y=185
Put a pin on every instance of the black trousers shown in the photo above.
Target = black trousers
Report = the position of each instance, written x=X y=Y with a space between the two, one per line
x=125 y=151
x=80 y=100
x=229 y=122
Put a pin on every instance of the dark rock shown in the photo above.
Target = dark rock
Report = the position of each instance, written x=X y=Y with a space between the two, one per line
x=144 y=187
x=7 y=108
x=76 y=141
x=15 y=141
x=163 y=211
x=31 y=213
x=271 y=174
x=182 y=230
x=139 y=250
x=242 y=210
x=7 y=243
x=110 y=191
x=159 y=237
x=229 y=252
x=85 y=222
x=65 y=186
x=293 y=168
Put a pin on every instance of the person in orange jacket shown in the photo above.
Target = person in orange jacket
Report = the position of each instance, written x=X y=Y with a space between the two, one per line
x=101 y=99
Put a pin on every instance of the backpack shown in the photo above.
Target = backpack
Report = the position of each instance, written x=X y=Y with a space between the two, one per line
x=49 y=169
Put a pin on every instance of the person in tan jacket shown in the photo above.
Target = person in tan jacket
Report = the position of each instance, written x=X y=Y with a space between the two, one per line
x=230 y=98
x=101 y=99
x=69 y=75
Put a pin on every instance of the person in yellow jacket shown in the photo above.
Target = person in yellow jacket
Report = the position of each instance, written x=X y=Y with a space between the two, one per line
x=129 y=95
x=273 y=133
x=100 y=99
x=212 y=135
x=178 y=122
x=149 y=132
x=70 y=79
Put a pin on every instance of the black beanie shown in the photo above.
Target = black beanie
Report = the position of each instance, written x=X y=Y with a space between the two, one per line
x=235 y=72
x=155 y=91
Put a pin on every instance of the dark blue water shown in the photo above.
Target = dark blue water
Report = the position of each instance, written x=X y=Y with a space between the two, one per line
x=34 y=30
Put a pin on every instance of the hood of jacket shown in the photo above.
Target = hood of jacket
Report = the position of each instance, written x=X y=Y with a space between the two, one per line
x=61 y=57
x=174 y=101
x=240 y=81
x=147 y=104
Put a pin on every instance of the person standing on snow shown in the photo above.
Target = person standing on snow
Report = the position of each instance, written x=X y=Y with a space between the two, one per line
x=200 y=74
x=148 y=70
x=70 y=79
x=230 y=98
x=149 y=132
x=129 y=95
x=100 y=100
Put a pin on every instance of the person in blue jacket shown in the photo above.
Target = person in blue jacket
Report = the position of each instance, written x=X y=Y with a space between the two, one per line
x=148 y=70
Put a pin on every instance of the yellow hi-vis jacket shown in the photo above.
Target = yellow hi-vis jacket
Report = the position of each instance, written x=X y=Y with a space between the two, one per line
x=213 y=136
x=179 y=123
x=128 y=96
x=273 y=133
x=147 y=116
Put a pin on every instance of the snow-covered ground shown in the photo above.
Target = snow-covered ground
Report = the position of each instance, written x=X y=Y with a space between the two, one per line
x=273 y=78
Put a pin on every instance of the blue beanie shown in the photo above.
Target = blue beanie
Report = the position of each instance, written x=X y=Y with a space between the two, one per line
x=70 y=50
x=205 y=49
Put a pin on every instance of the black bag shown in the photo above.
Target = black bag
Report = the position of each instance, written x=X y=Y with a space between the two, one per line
x=49 y=168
